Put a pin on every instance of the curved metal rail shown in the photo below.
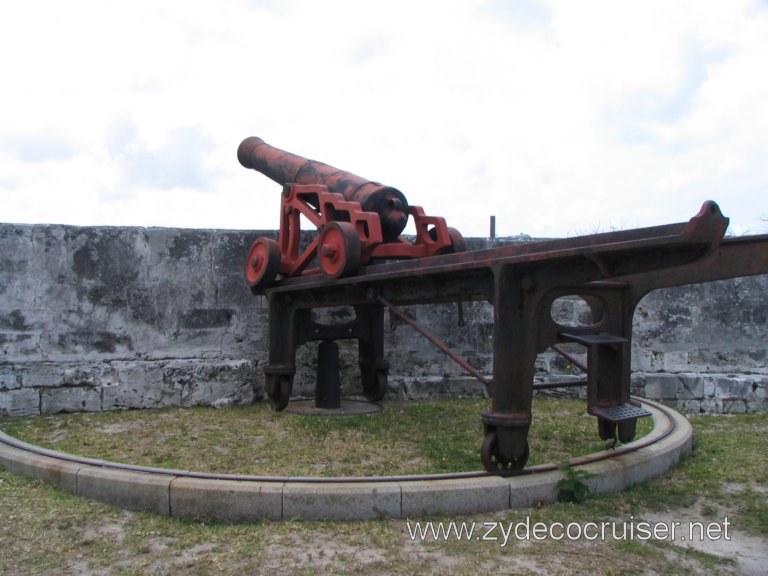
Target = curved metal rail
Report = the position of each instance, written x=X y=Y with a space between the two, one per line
x=665 y=428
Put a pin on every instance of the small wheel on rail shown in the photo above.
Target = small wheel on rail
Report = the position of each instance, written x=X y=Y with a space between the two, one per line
x=279 y=388
x=375 y=386
x=489 y=456
x=627 y=430
x=338 y=249
x=606 y=429
x=263 y=263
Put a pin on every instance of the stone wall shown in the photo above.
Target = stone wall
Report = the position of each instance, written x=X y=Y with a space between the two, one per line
x=105 y=318
x=704 y=347
x=115 y=318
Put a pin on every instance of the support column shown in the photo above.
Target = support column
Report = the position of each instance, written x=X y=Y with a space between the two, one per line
x=284 y=335
x=328 y=388
x=505 y=445
x=374 y=367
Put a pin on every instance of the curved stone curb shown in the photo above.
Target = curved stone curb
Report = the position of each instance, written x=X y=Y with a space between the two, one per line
x=241 y=498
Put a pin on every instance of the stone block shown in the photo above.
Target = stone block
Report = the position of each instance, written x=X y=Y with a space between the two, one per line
x=675 y=361
x=42 y=375
x=59 y=473
x=10 y=378
x=140 y=385
x=227 y=500
x=423 y=388
x=637 y=385
x=733 y=388
x=761 y=387
x=692 y=387
x=20 y=402
x=135 y=491
x=757 y=406
x=460 y=496
x=709 y=382
x=734 y=406
x=94 y=375
x=70 y=399
x=213 y=382
x=712 y=405
x=464 y=387
x=222 y=392
x=662 y=386
x=530 y=491
x=644 y=359
x=341 y=501
x=688 y=406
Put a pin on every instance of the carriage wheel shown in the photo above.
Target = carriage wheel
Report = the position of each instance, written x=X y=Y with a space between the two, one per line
x=489 y=455
x=338 y=249
x=279 y=388
x=375 y=385
x=263 y=263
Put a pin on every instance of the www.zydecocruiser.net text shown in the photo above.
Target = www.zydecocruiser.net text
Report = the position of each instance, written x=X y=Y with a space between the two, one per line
x=527 y=530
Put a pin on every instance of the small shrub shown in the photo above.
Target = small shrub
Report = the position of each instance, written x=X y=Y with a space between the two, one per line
x=572 y=488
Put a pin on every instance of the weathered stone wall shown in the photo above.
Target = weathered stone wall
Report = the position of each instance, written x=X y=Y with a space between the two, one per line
x=704 y=347
x=105 y=318
x=114 y=318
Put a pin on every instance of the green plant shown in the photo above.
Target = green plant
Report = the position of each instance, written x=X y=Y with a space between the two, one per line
x=572 y=488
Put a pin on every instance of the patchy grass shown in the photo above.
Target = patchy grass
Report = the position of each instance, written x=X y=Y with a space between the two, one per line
x=405 y=438
x=728 y=468
x=46 y=531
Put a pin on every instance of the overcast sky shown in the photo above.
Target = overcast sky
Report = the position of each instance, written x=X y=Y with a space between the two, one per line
x=559 y=117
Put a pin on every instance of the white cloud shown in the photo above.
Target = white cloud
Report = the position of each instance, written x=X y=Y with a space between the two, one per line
x=557 y=117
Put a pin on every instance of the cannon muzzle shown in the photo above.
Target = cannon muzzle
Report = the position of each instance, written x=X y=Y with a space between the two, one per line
x=287 y=168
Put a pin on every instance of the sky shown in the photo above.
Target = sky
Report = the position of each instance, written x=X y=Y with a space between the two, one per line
x=559 y=118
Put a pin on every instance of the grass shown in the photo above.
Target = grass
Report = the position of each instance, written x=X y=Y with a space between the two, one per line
x=405 y=438
x=728 y=468
x=46 y=531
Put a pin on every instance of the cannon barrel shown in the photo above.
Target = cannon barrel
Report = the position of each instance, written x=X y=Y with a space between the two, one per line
x=287 y=168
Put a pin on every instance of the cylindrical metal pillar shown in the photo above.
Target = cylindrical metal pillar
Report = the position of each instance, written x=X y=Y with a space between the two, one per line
x=328 y=388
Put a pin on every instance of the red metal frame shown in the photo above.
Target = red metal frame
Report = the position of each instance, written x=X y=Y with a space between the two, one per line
x=320 y=207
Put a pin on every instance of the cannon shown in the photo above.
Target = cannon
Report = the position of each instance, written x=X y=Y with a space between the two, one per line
x=357 y=220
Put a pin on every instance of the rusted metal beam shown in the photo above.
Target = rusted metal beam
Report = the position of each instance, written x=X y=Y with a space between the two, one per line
x=439 y=344
x=619 y=254
x=570 y=357
x=522 y=282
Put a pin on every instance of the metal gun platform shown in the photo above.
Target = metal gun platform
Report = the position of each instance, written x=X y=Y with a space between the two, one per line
x=611 y=271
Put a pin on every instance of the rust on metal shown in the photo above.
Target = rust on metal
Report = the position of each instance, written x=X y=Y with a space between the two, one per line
x=439 y=344
x=285 y=167
x=357 y=220
x=570 y=357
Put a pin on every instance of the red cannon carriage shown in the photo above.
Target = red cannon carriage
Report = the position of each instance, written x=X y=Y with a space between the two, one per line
x=357 y=220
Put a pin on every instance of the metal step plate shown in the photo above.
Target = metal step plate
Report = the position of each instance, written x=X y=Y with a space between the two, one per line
x=594 y=339
x=620 y=413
